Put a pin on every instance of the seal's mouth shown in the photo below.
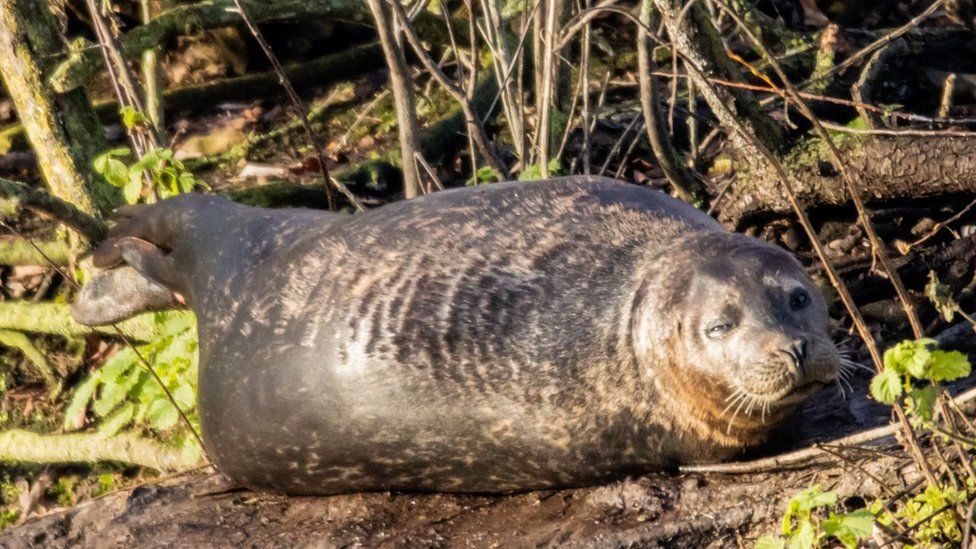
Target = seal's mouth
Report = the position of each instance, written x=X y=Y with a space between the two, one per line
x=801 y=392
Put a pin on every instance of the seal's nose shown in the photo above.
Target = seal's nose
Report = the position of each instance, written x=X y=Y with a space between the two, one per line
x=800 y=348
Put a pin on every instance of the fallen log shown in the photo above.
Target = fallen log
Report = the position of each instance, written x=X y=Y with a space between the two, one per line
x=888 y=168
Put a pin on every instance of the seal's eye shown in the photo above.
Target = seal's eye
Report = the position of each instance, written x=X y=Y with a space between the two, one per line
x=719 y=328
x=799 y=299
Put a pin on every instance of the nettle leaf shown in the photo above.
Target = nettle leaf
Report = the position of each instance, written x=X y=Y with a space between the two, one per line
x=131 y=117
x=804 y=538
x=886 y=387
x=79 y=401
x=948 y=365
x=908 y=355
x=922 y=401
x=918 y=363
x=162 y=415
x=770 y=542
x=115 y=422
x=850 y=528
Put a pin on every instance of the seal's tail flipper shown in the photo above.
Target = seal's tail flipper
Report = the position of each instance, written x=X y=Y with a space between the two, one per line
x=141 y=286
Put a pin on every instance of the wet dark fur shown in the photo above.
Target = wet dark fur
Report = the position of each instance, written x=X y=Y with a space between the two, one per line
x=490 y=339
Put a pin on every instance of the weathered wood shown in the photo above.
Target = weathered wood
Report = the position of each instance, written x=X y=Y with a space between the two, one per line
x=887 y=168
x=62 y=129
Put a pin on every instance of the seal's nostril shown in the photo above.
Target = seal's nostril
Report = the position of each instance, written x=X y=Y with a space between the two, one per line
x=800 y=346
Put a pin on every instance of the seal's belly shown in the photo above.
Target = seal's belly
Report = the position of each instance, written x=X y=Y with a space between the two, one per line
x=368 y=434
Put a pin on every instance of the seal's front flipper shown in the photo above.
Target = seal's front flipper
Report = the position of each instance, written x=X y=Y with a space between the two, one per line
x=144 y=278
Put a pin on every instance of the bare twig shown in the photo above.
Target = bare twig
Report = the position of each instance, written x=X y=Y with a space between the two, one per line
x=475 y=128
x=686 y=185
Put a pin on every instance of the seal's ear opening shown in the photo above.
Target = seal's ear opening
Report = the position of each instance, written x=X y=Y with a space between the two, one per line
x=118 y=294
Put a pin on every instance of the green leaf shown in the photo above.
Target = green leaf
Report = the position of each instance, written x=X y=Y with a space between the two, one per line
x=922 y=401
x=115 y=172
x=111 y=395
x=115 y=422
x=162 y=415
x=131 y=117
x=886 y=387
x=132 y=189
x=770 y=542
x=534 y=171
x=79 y=401
x=184 y=397
x=804 y=537
x=99 y=162
x=849 y=528
x=948 y=365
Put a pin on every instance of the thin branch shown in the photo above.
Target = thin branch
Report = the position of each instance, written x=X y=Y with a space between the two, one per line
x=92 y=228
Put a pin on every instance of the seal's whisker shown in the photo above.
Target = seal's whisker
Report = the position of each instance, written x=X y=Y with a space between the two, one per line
x=752 y=404
x=739 y=395
x=737 y=408
x=841 y=382
x=854 y=365
x=734 y=394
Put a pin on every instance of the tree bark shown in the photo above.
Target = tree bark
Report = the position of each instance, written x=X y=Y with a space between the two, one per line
x=704 y=53
x=688 y=187
x=63 y=130
x=889 y=168
x=403 y=98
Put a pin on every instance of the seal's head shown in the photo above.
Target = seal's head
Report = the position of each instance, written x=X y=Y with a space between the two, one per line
x=748 y=336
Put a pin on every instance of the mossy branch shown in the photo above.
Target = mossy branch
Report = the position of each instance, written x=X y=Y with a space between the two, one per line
x=28 y=197
x=62 y=129
x=83 y=63
x=20 y=251
x=55 y=319
x=19 y=446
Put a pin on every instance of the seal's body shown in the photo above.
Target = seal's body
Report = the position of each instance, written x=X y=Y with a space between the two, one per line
x=490 y=339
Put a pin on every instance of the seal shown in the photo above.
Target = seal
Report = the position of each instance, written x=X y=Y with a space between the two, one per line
x=497 y=338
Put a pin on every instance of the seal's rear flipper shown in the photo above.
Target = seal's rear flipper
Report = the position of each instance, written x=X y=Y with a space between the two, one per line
x=118 y=294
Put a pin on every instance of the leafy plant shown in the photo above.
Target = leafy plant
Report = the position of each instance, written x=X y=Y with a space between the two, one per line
x=485 y=174
x=122 y=393
x=941 y=297
x=804 y=525
x=168 y=176
x=534 y=171
x=928 y=510
x=911 y=362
